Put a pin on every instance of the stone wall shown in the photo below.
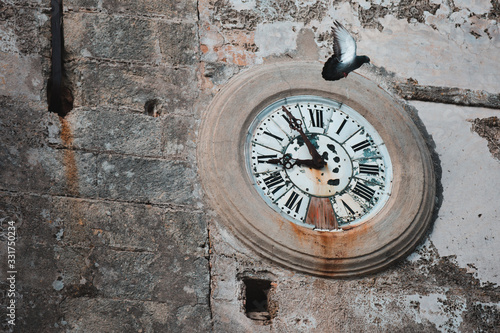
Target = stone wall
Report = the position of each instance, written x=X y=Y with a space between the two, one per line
x=114 y=234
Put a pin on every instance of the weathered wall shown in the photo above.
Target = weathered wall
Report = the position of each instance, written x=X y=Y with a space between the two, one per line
x=114 y=234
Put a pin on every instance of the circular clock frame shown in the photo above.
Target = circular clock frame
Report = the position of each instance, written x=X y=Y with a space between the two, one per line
x=357 y=250
x=349 y=144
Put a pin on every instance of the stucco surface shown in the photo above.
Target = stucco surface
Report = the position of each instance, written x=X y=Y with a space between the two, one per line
x=467 y=225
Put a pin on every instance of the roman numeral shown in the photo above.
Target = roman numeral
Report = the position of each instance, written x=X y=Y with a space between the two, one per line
x=341 y=126
x=265 y=158
x=368 y=169
x=361 y=145
x=316 y=118
x=292 y=202
x=347 y=207
x=274 y=182
x=363 y=191
x=273 y=136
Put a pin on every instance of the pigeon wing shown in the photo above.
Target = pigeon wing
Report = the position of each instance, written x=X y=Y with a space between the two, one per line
x=344 y=46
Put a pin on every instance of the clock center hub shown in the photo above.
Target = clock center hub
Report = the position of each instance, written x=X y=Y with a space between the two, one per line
x=324 y=182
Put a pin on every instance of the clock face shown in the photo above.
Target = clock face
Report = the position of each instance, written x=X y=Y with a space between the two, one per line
x=318 y=162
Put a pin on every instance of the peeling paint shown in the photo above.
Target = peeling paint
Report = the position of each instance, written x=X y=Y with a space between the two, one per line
x=444 y=313
x=489 y=128
x=276 y=38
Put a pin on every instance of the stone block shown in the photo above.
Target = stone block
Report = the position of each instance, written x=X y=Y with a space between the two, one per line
x=144 y=275
x=38 y=312
x=29 y=164
x=179 y=136
x=133 y=85
x=117 y=225
x=132 y=251
x=74 y=5
x=36 y=169
x=108 y=315
x=48 y=170
x=185 y=232
x=35 y=238
x=21 y=77
x=109 y=37
x=145 y=180
x=109 y=130
x=178 y=42
x=22 y=124
x=135 y=38
x=24 y=29
x=171 y=9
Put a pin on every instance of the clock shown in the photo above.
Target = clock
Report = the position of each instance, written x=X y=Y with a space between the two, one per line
x=348 y=183
x=326 y=178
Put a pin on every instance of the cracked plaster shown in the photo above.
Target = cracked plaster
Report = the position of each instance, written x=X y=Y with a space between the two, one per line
x=448 y=46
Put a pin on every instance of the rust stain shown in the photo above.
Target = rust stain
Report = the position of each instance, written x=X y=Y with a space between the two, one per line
x=320 y=214
x=204 y=48
x=338 y=249
x=298 y=231
x=97 y=231
x=69 y=160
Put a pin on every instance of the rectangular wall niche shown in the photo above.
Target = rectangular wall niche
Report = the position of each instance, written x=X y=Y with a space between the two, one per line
x=257 y=299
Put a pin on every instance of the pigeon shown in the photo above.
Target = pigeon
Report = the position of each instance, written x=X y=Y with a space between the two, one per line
x=344 y=59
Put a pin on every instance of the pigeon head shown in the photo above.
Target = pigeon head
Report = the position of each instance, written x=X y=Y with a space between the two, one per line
x=365 y=59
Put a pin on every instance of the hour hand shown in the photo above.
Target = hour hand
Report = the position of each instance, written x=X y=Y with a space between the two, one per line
x=288 y=162
x=296 y=124
x=285 y=161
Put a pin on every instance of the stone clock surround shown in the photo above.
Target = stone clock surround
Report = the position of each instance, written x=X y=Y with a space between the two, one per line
x=360 y=249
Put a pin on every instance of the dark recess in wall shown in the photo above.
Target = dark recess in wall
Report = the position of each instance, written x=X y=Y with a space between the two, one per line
x=256 y=299
x=59 y=95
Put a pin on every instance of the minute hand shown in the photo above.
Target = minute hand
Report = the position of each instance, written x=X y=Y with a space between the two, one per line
x=296 y=124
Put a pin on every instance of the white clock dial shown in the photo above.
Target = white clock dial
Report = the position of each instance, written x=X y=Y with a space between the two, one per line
x=318 y=162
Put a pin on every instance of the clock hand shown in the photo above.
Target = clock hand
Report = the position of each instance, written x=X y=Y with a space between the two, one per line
x=284 y=161
x=296 y=124
x=309 y=163
x=289 y=163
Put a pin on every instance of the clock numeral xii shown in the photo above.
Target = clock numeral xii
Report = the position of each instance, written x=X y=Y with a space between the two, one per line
x=316 y=118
